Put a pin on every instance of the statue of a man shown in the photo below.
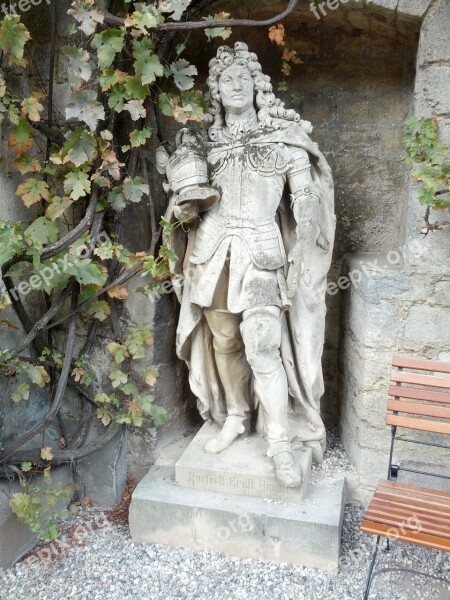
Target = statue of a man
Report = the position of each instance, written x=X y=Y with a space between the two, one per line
x=253 y=279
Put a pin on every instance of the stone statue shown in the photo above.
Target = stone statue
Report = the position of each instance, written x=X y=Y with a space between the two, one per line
x=258 y=197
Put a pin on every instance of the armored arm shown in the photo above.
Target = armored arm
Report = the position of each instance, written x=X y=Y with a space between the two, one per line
x=305 y=207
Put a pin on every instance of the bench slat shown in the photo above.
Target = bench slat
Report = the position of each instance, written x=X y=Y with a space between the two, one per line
x=417 y=394
x=414 y=408
x=401 y=514
x=414 y=490
x=397 y=524
x=421 y=365
x=418 y=424
x=420 y=539
x=420 y=379
x=415 y=504
x=412 y=507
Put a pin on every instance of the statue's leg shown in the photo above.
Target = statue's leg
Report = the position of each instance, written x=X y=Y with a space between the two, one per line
x=234 y=373
x=261 y=333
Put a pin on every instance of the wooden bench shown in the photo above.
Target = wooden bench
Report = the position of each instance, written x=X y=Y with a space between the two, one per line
x=419 y=400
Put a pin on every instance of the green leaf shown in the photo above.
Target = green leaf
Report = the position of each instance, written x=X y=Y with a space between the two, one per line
x=117 y=199
x=13 y=37
x=147 y=17
x=176 y=7
x=136 y=109
x=79 y=70
x=38 y=375
x=80 y=147
x=58 y=207
x=31 y=107
x=102 y=398
x=104 y=415
x=32 y=191
x=158 y=414
x=85 y=107
x=25 y=467
x=222 y=32
x=77 y=184
x=21 y=393
x=87 y=272
x=136 y=89
x=118 y=351
x=108 y=43
x=138 y=137
x=150 y=376
x=99 y=309
x=21 y=138
x=146 y=64
x=118 y=378
x=88 y=19
x=182 y=74
x=134 y=189
x=41 y=232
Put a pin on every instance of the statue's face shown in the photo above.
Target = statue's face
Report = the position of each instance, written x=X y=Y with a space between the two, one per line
x=236 y=89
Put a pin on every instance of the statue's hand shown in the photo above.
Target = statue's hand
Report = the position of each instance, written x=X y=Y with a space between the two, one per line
x=186 y=212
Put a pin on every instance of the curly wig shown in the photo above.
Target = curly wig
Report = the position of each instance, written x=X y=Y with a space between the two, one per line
x=270 y=110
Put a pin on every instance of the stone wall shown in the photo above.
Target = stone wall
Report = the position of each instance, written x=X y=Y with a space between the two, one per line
x=404 y=309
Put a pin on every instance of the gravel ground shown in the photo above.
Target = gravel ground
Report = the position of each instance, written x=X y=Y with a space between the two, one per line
x=95 y=558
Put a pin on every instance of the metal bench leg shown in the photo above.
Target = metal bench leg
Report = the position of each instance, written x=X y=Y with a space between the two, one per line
x=372 y=565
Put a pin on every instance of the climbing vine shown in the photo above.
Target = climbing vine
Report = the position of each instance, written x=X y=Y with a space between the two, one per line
x=429 y=157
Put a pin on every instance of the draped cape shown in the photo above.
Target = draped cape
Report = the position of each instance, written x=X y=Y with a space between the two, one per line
x=303 y=325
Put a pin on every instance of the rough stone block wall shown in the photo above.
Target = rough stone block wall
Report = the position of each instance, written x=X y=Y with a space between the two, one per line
x=405 y=310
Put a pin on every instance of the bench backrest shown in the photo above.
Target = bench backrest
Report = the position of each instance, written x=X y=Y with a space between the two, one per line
x=419 y=395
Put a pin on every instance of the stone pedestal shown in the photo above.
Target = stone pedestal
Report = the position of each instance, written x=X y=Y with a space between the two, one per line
x=232 y=503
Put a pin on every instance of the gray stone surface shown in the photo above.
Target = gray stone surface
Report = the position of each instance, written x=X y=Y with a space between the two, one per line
x=16 y=538
x=103 y=474
x=306 y=533
x=242 y=469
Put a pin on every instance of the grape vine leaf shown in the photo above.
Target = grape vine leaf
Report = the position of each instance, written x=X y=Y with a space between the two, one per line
x=146 y=64
x=99 y=309
x=136 y=109
x=22 y=392
x=88 y=19
x=134 y=189
x=118 y=378
x=182 y=74
x=80 y=148
x=176 y=7
x=108 y=43
x=21 y=137
x=13 y=37
x=38 y=375
x=41 y=232
x=79 y=70
x=31 y=107
x=77 y=184
x=32 y=191
x=138 y=137
x=214 y=32
x=58 y=207
x=84 y=106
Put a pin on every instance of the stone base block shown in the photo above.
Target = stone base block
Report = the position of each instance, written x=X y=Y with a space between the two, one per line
x=242 y=469
x=305 y=533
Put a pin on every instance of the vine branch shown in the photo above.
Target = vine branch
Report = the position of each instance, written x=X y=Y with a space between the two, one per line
x=189 y=25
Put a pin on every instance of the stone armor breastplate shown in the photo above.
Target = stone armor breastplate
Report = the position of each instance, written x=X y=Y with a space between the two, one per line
x=251 y=179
